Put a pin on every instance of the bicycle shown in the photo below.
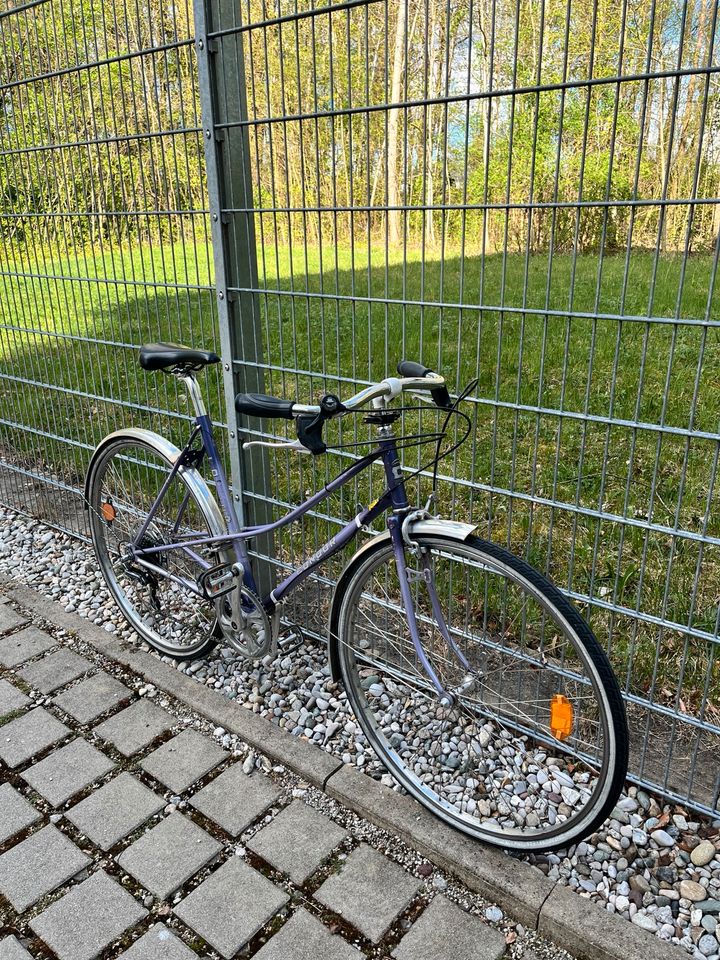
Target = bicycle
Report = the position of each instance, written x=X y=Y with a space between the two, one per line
x=476 y=681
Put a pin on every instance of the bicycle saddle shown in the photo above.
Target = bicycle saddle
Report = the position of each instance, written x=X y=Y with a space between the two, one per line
x=158 y=356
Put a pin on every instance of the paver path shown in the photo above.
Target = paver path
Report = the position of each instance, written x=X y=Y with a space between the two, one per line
x=126 y=833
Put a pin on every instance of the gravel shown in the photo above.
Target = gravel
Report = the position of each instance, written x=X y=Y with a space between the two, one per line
x=656 y=864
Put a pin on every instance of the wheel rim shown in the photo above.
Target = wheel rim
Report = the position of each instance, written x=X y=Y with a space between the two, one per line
x=490 y=765
x=125 y=484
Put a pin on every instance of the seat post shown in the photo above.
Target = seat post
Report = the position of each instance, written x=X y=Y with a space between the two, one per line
x=195 y=394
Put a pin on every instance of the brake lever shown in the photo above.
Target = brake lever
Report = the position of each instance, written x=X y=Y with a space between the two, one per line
x=289 y=445
x=423 y=396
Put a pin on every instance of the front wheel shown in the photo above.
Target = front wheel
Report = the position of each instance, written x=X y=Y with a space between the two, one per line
x=531 y=753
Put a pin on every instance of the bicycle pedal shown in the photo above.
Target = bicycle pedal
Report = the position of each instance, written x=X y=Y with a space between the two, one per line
x=217 y=581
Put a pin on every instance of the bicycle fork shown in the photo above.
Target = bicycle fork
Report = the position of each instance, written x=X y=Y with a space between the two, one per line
x=396 y=525
x=447 y=696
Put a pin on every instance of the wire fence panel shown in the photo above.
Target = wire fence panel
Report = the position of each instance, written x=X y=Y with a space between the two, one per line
x=104 y=239
x=524 y=192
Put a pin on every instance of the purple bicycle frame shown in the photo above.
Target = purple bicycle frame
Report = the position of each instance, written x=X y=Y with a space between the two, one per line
x=393 y=498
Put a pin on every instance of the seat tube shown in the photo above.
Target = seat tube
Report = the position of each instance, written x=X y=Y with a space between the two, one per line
x=221 y=484
x=205 y=424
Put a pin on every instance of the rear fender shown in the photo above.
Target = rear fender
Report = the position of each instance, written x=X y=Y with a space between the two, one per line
x=171 y=453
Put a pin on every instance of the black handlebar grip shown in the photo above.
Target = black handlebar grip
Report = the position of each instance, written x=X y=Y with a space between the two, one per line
x=440 y=395
x=410 y=368
x=260 y=405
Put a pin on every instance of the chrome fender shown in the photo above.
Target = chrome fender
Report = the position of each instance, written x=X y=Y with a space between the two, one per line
x=170 y=452
x=452 y=529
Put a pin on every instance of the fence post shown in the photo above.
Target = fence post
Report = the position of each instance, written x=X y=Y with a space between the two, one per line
x=221 y=75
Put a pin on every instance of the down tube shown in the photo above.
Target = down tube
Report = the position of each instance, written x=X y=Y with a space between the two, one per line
x=348 y=532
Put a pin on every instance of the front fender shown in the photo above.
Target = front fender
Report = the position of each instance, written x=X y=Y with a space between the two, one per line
x=431 y=525
x=195 y=482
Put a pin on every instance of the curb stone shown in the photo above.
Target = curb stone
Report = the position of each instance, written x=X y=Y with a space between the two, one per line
x=517 y=887
x=572 y=922
x=580 y=925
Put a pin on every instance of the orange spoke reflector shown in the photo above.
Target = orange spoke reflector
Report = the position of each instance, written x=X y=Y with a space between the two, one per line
x=562 y=716
x=108 y=511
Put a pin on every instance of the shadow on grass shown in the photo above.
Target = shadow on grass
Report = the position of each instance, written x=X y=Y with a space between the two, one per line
x=544 y=483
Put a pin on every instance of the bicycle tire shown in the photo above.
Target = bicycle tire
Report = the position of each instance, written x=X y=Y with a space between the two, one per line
x=611 y=717
x=189 y=611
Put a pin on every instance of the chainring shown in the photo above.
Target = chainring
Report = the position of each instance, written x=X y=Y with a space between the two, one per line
x=244 y=623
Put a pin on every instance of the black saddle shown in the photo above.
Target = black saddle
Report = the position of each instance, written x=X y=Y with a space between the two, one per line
x=160 y=356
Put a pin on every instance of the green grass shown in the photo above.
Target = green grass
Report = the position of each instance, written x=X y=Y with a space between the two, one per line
x=628 y=371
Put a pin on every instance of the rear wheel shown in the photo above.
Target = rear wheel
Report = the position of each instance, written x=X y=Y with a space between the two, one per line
x=124 y=483
x=532 y=754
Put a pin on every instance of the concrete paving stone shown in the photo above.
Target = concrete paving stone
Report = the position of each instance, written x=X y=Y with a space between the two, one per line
x=183 y=760
x=234 y=799
x=9 y=618
x=12 y=949
x=55 y=670
x=159 y=943
x=445 y=932
x=90 y=698
x=16 y=813
x=135 y=727
x=168 y=855
x=38 y=865
x=514 y=885
x=212 y=908
x=21 y=646
x=21 y=739
x=305 y=938
x=11 y=698
x=369 y=891
x=115 y=810
x=67 y=771
x=86 y=920
x=297 y=841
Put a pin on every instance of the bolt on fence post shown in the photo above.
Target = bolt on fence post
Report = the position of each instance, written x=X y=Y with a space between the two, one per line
x=221 y=75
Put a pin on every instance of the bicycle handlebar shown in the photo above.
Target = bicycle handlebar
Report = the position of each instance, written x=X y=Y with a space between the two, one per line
x=310 y=418
x=417 y=377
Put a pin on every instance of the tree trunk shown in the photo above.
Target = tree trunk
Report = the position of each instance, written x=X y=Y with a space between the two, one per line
x=393 y=152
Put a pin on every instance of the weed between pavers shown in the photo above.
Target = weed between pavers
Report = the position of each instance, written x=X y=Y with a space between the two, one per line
x=17 y=681
x=331 y=865
x=273 y=926
x=12 y=715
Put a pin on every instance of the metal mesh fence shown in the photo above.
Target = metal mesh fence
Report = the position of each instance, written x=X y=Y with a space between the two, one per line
x=525 y=192
x=104 y=239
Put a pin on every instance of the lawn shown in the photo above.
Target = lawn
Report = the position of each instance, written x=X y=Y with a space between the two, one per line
x=531 y=358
